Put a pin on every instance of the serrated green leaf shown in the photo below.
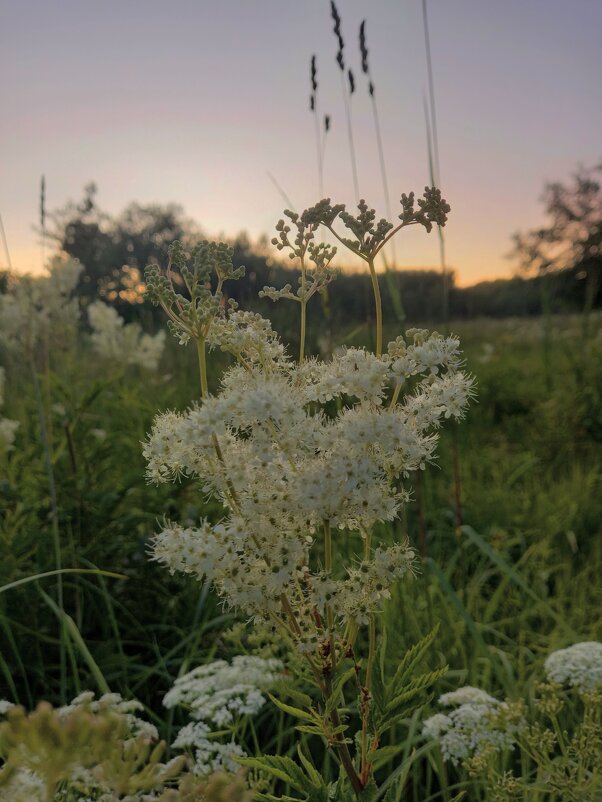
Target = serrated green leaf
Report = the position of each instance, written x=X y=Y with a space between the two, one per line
x=409 y=662
x=301 y=699
x=400 y=715
x=377 y=690
x=313 y=774
x=383 y=754
x=283 y=768
x=310 y=729
x=296 y=712
x=337 y=688
x=370 y=791
x=417 y=685
x=395 y=790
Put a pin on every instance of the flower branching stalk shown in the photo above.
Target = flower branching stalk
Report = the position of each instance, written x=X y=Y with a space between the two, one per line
x=314 y=261
x=305 y=455
x=369 y=236
x=189 y=316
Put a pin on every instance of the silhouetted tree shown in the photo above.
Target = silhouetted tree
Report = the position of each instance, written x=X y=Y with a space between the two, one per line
x=115 y=250
x=572 y=237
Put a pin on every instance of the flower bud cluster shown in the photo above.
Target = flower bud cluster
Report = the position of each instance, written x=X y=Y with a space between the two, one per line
x=370 y=235
x=475 y=727
x=315 y=258
x=123 y=344
x=579 y=666
x=186 y=293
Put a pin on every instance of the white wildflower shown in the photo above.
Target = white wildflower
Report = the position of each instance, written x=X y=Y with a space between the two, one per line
x=472 y=727
x=8 y=430
x=579 y=666
x=219 y=693
x=116 y=704
x=41 y=307
x=212 y=756
x=23 y=786
x=468 y=695
x=5 y=706
x=270 y=448
x=248 y=336
x=121 y=343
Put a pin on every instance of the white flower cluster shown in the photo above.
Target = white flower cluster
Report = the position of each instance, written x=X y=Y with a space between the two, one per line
x=115 y=703
x=218 y=695
x=41 y=306
x=248 y=336
x=23 y=786
x=26 y=785
x=8 y=428
x=579 y=666
x=121 y=343
x=471 y=727
x=291 y=449
x=5 y=706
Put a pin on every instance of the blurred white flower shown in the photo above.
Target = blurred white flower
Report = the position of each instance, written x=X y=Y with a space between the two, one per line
x=121 y=343
x=579 y=666
x=41 y=307
x=472 y=727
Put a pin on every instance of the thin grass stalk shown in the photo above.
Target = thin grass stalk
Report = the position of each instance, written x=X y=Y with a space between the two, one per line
x=393 y=288
x=434 y=181
x=54 y=518
x=313 y=106
x=431 y=87
x=433 y=157
x=340 y=59
x=280 y=190
x=43 y=219
x=5 y=244
x=347 y=102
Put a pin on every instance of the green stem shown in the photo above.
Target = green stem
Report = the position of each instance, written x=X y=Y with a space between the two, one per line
x=303 y=326
x=329 y=613
x=54 y=517
x=200 y=345
x=371 y=650
x=379 y=307
x=343 y=750
x=303 y=313
x=395 y=396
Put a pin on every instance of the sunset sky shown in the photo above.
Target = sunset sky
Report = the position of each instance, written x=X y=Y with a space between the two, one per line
x=197 y=102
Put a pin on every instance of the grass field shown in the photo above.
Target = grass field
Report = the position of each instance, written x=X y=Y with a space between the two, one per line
x=507 y=522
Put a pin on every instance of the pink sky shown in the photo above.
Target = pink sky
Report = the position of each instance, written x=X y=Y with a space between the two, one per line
x=195 y=102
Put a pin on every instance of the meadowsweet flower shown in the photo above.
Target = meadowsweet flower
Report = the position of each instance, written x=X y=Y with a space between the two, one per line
x=579 y=666
x=248 y=336
x=475 y=727
x=270 y=448
x=124 y=344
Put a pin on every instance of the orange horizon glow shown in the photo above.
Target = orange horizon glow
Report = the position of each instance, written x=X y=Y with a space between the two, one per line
x=28 y=260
